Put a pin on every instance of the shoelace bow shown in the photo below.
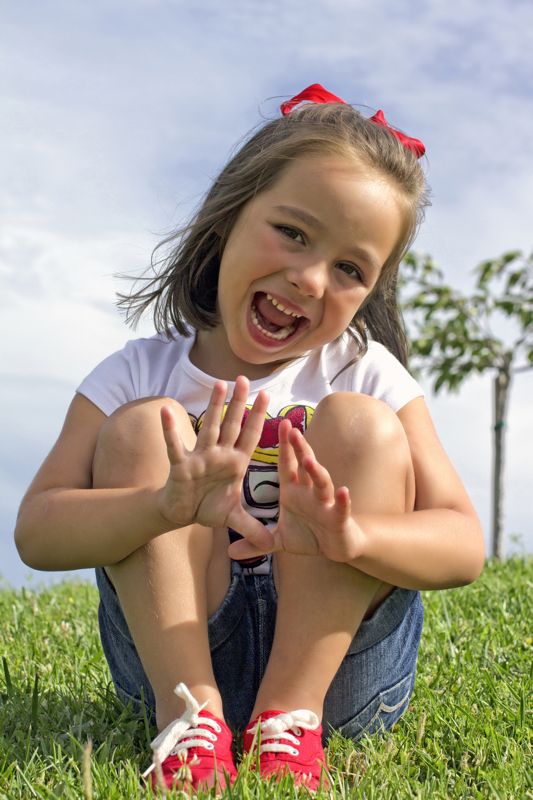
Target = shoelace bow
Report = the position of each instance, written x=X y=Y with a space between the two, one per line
x=278 y=727
x=171 y=740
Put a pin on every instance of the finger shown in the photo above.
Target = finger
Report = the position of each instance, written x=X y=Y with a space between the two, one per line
x=323 y=488
x=287 y=462
x=231 y=426
x=343 y=502
x=253 y=530
x=253 y=427
x=301 y=449
x=300 y=443
x=210 y=430
x=175 y=448
x=244 y=549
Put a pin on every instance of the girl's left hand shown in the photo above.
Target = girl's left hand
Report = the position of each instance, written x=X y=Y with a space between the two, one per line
x=314 y=519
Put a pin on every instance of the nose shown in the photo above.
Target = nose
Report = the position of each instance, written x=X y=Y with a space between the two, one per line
x=310 y=278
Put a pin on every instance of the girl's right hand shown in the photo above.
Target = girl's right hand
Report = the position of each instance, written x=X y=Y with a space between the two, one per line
x=204 y=484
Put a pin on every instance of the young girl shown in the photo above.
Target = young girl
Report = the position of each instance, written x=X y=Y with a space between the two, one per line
x=325 y=460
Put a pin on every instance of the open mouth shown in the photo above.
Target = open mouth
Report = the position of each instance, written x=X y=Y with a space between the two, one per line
x=272 y=319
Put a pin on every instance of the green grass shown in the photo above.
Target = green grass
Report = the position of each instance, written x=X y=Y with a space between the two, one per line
x=468 y=732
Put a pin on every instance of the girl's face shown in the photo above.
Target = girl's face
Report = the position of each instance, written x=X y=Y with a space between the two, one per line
x=299 y=261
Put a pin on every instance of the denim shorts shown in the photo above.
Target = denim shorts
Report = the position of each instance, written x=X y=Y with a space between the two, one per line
x=369 y=693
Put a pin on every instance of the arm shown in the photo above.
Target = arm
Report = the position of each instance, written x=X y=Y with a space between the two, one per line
x=437 y=545
x=65 y=524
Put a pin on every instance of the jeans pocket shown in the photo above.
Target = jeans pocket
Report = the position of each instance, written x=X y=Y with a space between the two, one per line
x=382 y=712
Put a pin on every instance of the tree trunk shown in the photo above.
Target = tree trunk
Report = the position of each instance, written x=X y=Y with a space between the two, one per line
x=502 y=382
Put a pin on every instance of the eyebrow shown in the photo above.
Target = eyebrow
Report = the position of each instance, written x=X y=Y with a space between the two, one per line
x=309 y=219
x=302 y=215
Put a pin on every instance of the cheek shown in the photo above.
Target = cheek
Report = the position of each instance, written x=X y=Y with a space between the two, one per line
x=266 y=252
x=348 y=305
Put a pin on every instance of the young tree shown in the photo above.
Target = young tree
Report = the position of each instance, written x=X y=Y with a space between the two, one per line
x=452 y=336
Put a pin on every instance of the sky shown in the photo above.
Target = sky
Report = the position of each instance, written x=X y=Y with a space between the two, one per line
x=118 y=114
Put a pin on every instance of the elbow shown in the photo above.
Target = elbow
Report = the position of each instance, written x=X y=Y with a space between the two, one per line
x=29 y=540
x=33 y=556
x=478 y=554
x=470 y=572
x=473 y=561
x=25 y=547
x=478 y=562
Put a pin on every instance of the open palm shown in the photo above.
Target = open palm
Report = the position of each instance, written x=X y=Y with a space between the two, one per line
x=204 y=484
x=314 y=519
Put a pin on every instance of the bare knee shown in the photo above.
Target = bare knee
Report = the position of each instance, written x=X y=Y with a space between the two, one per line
x=347 y=421
x=362 y=444
x=138 y=419
x=131 y=449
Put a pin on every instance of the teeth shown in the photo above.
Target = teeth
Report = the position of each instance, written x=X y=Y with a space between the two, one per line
x=282 y=307
x=280 y=335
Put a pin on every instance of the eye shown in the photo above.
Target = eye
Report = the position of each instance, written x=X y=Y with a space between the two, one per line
x=351 y=270
x=292 y=233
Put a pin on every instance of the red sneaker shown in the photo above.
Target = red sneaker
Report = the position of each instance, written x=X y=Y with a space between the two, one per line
x=289 y=743
x=194 y=751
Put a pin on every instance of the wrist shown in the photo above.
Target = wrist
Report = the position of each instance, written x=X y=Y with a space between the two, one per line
x=161 y=513
x=356 y=546
x=166 y=515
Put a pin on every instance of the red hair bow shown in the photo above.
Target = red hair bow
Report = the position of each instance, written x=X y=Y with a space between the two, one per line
x=412 y=144
x=317 y=94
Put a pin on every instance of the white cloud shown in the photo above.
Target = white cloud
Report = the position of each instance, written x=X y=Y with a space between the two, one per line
x=58 y=318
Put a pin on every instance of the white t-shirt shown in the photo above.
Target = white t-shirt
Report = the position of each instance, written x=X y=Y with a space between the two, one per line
x=160 y=367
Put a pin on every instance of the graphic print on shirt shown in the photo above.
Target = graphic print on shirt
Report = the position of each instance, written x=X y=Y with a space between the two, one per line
x=260 y=492
x=267 y=450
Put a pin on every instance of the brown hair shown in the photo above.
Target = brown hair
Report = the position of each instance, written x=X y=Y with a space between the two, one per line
x=183 y=291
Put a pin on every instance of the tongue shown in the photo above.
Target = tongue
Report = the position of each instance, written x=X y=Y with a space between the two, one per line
x=273 y=318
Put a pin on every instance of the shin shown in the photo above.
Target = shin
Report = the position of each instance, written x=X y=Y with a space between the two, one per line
x=321 y=602
x=169 y=587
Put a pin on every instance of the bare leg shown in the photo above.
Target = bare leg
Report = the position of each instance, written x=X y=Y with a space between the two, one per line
x=322 y=602
x=169 y=587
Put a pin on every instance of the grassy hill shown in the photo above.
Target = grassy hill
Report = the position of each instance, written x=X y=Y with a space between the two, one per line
x=468 y=732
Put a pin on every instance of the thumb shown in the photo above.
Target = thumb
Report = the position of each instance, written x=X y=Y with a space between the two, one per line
x=255 y=533
x=243 y=549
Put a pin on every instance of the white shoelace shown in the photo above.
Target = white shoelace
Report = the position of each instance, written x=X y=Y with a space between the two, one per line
x=278 y=728
x=172 y=739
